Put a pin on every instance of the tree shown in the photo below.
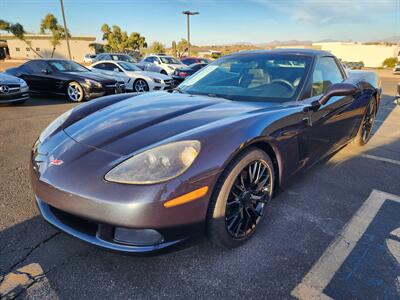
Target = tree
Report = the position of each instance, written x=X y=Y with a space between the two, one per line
x=157 y=47
x=182 y=47
x=174 y=53
x=119 y=41
x=50 y=25
x=18 y=31
x=390 y=62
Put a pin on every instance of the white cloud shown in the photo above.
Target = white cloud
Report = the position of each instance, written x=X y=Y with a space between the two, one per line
x=325 y=12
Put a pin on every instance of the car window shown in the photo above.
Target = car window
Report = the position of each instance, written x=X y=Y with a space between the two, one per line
x=189 y=61
x=149 y=59
x=36 y=66
x=325 y=74
x=110 y=66
x=99 y=66
x=169 y=60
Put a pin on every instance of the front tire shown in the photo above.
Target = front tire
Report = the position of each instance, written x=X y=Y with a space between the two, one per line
x=75 y=92
x=240 y=198
x=367 y=123
x=140 y=86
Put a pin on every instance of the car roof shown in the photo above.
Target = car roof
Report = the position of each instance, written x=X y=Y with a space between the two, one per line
x=306 y=52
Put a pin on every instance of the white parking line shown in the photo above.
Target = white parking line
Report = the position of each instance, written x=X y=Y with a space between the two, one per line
x=392 y=161
x=314 y=283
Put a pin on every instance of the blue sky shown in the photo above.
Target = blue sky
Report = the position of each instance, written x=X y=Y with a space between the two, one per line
x=219 y=21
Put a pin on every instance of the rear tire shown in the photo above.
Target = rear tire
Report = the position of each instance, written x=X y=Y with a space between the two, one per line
x=234 y=211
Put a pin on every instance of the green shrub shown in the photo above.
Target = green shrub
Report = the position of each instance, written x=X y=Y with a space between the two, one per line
x=390 y=62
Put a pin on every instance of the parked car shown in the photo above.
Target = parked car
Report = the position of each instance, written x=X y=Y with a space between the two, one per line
x=193 y=60
x=181 y=74
x=66 y=77
x=396 y=69
x=115 y=56
x=13 y=89
x=160 y=63
x=88 y=58
x=162 y=169
x=136 y=79
x=352 y=65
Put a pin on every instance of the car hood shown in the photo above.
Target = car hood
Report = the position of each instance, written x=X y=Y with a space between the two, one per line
x=92 y=75
x=150 y=74
x=138 y=122
x=8 y=79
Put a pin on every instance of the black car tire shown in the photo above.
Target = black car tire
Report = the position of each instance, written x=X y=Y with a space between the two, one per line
x=140 y=86
x=367 y=120
x=75 y=92
x=217 y=226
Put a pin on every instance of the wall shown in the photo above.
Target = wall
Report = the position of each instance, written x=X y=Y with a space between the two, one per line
x=79 y=47
x=371 y=55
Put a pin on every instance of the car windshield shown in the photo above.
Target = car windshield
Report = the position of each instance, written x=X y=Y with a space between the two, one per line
x=251 y=77
x=67 y=66
x=127 y=66
x=123 y=57
x=169 y=60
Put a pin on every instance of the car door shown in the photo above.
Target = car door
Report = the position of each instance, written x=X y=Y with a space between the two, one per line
x=333 y=124
x=37 y=74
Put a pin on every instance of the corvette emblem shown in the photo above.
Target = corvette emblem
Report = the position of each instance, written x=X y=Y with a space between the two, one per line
x=56 y=162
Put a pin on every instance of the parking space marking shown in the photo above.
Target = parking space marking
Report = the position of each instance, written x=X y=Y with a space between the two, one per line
x=389 y=160
x=314 y=283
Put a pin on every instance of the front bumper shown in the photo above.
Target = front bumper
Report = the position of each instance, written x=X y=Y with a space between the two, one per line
x=92 y=92
x=81 y=203
x=16 y=97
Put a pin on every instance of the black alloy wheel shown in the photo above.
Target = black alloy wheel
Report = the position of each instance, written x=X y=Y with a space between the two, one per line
x=247 y=199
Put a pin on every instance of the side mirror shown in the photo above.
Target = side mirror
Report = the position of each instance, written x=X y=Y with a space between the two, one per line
x=45 y=71
x=116 y=70
x=337 y=89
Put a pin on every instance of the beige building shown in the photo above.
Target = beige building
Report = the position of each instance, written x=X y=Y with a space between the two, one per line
x=18 y=49
x=371 y=55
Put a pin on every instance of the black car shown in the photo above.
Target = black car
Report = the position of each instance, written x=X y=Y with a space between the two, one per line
x=181 y=74
x=13 y=90
x=66 y=77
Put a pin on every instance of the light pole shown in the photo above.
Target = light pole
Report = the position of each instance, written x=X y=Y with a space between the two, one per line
x=188 y=14
x=65 y=29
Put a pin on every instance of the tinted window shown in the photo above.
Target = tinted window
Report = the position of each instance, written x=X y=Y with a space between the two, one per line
x=110 y=67
x=189 y=61
x=149 y=59
x=129 y=66
x=169 y=60
x=325 y=74
x=67 y=66
x=36 y=66
x=253 y=77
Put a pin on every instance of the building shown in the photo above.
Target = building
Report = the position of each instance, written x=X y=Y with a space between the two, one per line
x=40 y=44
x=372 y=55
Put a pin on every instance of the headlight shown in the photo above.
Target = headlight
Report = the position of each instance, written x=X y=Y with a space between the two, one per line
x=156 y=165
x=54 y=125
x=23 y=85
x=93 y=83
x=156 y=80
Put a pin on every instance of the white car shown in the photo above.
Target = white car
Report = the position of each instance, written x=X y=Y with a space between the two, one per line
x=135 y=79
x=163 y=64
x=89 y=58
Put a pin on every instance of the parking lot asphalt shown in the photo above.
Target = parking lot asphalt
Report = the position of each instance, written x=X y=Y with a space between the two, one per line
x=334 y=232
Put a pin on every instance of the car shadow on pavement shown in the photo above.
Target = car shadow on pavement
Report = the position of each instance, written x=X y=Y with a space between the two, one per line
x=300 y=224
